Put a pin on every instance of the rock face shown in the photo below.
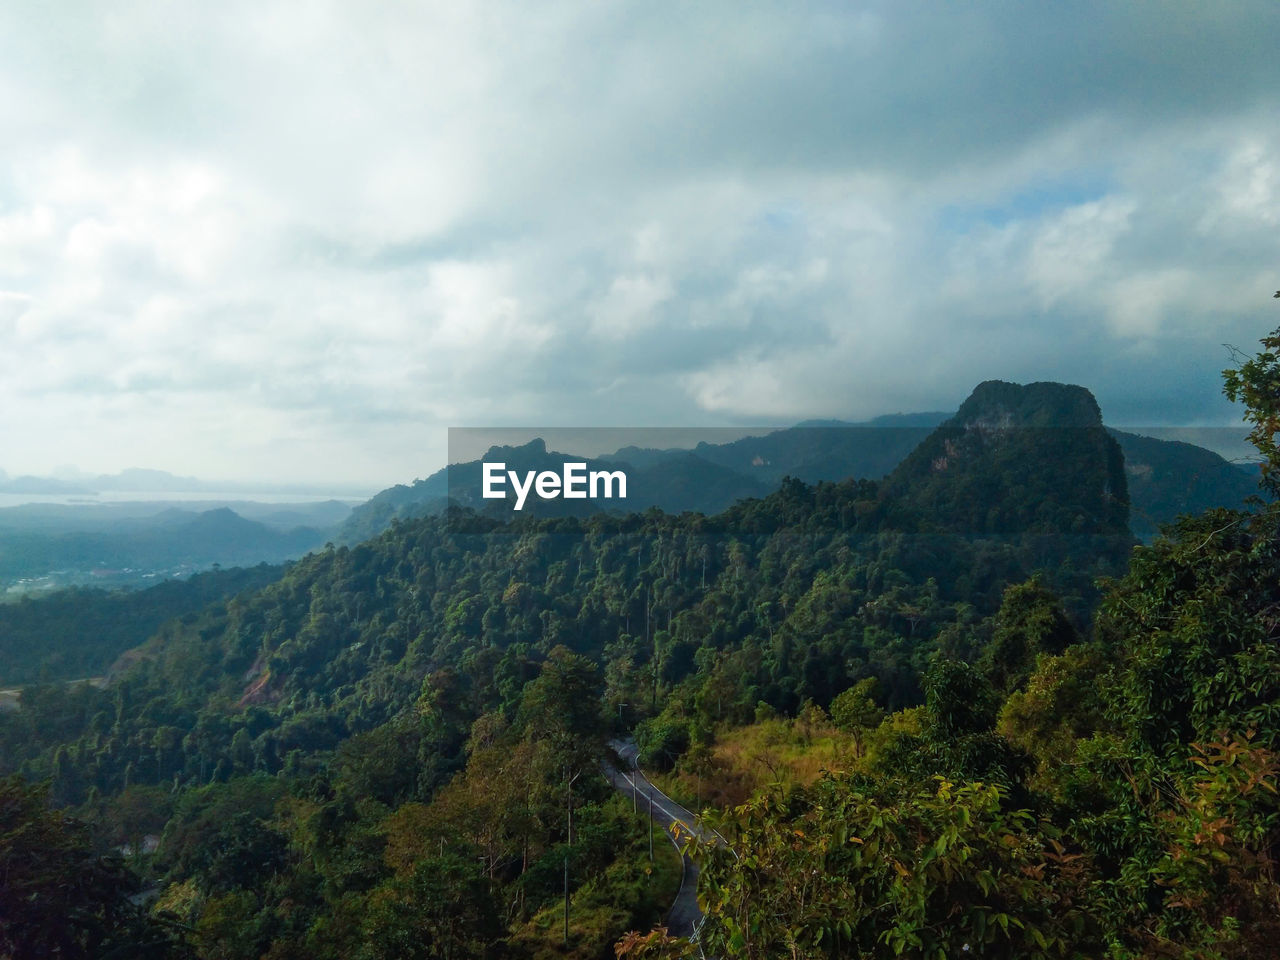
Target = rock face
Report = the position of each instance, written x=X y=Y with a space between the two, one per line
x=1017 y=459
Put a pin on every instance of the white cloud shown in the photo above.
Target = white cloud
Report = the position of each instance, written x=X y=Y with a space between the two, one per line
x=1138 y=302
x=1071 y=249
x=271 y=239
x=630 y=305
x=1248 y=186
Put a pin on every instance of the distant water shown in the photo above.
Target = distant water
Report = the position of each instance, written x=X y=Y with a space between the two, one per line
x=160 y=496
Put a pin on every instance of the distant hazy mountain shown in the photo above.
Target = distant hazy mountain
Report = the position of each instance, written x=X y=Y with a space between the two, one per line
x=163 y=544
x=1167 y=478
x=323 y=514
x=70 y=481
x=224 y=533
x=41 y=486
x=460 y=483
x=147 y=481
x=813 y=450
x=817 y=453
x=76 y=482
x=126 y=515
x=928 y=420
x=1163 y=478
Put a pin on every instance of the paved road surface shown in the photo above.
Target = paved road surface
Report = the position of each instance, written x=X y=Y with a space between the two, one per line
x=684 y=917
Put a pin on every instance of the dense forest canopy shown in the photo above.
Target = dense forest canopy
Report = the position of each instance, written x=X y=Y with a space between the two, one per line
x=79 y=633
x=1041 y=740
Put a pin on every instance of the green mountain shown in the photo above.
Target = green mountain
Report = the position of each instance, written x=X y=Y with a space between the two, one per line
x=1168 y=478
x=674 y=481
x=1164 y=478
x=813 y=451
x=825 y=450
x=1018 y=460
x=78 y=633
x=398 y=728
x=461 y=485
x=402 y=742
x=800 y=589
x=687 y=481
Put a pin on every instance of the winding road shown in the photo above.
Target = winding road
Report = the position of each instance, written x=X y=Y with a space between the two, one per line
x=684 y=916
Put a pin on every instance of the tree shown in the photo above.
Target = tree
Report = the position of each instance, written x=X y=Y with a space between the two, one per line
x=957 y=736
x=443 y=911
x=1030 y=622
x=843 y=870
x=221 y=836
x=562 y=707
x=1059 y=706
x=60 y=899
x=1256 y=384
x=959 y=700
x=1175 y=793
x=1194 y=623
x=661 y=741
x=855 y=711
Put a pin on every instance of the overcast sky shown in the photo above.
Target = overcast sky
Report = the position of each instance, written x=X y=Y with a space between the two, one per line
x=299 y=241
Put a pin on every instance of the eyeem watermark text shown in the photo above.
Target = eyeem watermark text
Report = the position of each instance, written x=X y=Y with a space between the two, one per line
x=573 y=482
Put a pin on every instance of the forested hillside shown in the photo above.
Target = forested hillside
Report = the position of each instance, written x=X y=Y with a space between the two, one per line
x=79 y=633
x=1168 y=478
x=394 y=750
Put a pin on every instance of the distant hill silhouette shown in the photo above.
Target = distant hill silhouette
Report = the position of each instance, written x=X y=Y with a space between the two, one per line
x=1162 y=478
x=1167 y=478
x=160 y=543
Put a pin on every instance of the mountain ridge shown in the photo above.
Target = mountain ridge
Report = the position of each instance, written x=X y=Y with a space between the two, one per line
x=1168 y=477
